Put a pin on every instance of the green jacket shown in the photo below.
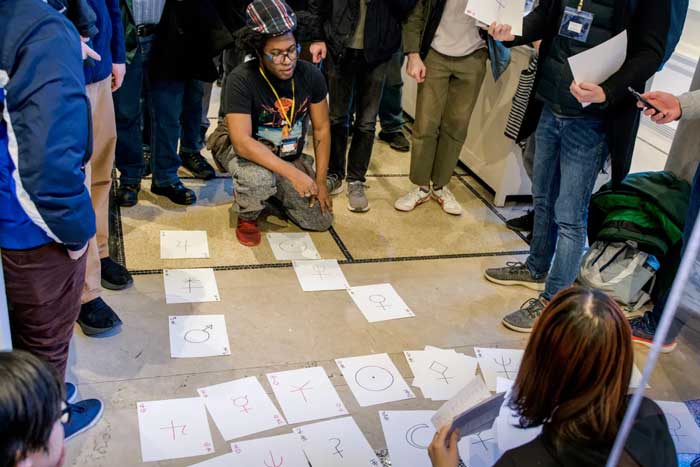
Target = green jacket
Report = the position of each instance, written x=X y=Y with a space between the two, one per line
x=129 y=29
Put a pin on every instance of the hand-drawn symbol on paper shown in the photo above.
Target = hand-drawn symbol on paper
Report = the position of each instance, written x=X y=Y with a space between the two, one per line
x=242 y=403
x=481 y=440
x=374 y=378
x=320 y=271
x=172 y=427
x=199 y=336
x=380 y=301
x=676 y=427
x=440 y=369
x=273 y=462
x=302 y=388
x=190 y=284
x=182 y=244
x=293 y=246
x=338 y=451
x=412 y=438
x=507 y=371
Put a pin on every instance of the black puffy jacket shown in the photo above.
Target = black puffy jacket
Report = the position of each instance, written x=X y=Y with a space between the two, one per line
x=336 y=21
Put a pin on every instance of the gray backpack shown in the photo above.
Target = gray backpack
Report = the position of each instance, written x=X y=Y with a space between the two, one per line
x=621 y=270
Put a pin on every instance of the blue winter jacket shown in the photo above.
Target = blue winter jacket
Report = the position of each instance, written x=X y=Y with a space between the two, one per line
x=108 y=42
x=45 y=138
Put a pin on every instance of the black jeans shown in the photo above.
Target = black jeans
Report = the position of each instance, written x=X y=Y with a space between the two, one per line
x=345 y=75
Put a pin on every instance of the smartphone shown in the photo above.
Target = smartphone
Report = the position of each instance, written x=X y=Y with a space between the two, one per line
x=646 y=103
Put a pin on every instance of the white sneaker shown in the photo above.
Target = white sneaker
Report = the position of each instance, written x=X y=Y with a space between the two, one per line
x=447 y=200
x=410 y=200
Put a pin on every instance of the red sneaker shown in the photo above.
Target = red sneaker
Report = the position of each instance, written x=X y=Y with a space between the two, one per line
x=247 y=232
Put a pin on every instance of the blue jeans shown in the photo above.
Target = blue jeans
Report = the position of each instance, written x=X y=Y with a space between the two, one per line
x=690 y=220
x=570 y=152
x=390 y=109
x=192 y=110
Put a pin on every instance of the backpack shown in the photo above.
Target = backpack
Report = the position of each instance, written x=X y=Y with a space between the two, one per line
x=621 y=270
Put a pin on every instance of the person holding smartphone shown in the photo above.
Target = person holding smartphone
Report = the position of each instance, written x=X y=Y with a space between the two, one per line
x=578 y=126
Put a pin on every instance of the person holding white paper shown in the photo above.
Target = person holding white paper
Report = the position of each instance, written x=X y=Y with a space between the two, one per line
x=573 y=382
x=579 y=125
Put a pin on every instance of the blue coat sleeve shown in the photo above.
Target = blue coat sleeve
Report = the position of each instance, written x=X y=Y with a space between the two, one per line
x=50 y=120
x=117 y=46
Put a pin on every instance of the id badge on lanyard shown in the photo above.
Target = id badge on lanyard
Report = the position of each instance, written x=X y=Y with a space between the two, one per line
x=576 y=23
x=289 y=147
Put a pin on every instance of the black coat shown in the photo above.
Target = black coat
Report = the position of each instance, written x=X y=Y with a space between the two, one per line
x=647 y=31
x=336 y=22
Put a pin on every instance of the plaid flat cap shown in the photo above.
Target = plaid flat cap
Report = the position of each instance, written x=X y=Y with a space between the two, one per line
x=273 y=17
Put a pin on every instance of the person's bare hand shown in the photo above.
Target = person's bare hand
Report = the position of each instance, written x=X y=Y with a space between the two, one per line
x=118 y=73
x=303 y=184
x=667 y=103
x=415 y=68
x=87 y=51
x=324 y=199
x=77 y=254
x=501 y=32
x=318 y=51
x=587 y=93
x=443 y=450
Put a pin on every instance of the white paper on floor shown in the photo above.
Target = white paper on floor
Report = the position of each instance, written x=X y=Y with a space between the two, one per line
x=336 y=443
x=498 y=362
x=306 y=394
x=408 y=435
x=483 y=449
x=275 y=451
x=503 y=384
x=320 y=274
x=198 y=336
x=374 y=379
x=172 y=429
x=177 y=244
x=241 y=408
x=380 y=302
x=190 y=285
x=292 y=246
x=440 y=374
x=227 y=460
x=681 y=424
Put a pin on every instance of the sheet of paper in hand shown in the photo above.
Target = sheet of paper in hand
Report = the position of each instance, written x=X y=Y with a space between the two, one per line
x=469 y=397
x=508 y=12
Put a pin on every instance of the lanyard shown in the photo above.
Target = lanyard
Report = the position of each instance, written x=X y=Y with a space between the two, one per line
x=580 y=5
x=287 y=128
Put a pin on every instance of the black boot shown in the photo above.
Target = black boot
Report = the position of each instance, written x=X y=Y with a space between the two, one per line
x=197 y=165
x=128 y=195
x=96 y=317
x=523 y=223
x=114 y=275
x=177 y=193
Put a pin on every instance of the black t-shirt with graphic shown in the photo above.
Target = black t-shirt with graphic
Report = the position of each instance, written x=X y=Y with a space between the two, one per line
x=247 y=92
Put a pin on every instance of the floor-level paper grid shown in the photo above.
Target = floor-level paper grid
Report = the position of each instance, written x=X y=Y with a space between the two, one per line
x=319 y=275
x=498 y=362
x=380 y=302
x=277 y=451
x=408 y=435
x=194 y=336
x=241 y=408
x=483 y=449
x=336 y=443
x=441 y=374
x=292 y=246
x=306 y=394
x=190 y=286
x=177 y=244
x=682 y=426
x=374 y=379
x=172 y=429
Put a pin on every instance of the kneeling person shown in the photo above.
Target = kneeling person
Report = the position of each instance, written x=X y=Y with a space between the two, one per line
x=268 y=103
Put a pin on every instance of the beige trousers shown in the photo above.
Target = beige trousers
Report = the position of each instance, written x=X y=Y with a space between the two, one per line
x=98 y=179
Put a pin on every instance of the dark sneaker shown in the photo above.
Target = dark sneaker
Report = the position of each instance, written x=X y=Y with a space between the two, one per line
x=147 y=157
x=82 y=416
x=197 y=165
x=334 y=184
x=523 y=223
x=524 y=319
x=114 y=275
x=71 y=392
x=515 y=273
x=247 y=232
x=96 y=317
x=396 y=140
x=177 y=193
x=128 y=195
x=644 y=330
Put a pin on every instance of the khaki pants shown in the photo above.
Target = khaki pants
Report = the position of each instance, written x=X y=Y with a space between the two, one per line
x=444 y=106
x=98 y=179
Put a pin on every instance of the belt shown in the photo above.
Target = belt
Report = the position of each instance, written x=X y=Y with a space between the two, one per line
x=146 y=29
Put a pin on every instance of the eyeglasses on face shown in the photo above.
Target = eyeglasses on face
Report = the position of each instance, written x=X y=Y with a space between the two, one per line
x=277 y=57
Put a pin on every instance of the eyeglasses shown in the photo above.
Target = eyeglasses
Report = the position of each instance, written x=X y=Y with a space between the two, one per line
x=278 y=57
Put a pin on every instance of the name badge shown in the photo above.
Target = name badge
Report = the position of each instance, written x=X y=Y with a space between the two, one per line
x=289 y=147
x=576 y=24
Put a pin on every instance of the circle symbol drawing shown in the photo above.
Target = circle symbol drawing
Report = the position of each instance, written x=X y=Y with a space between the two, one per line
x=374 y=378
x=418 y=441
x=293 y=246
x=198 y=336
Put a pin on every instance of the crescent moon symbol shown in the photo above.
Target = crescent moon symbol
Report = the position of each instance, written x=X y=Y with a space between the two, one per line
x=411 y=433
